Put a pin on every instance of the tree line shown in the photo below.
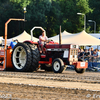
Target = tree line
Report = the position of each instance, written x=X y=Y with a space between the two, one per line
x=49 y=14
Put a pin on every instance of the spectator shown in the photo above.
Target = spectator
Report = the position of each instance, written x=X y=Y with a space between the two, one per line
x=79 y=52
x=89 y=50
x=99 y=53
x=96 y=51
x=86 y=55
x=92 y=51
x=95 y=56
x=81 y=56
x=13 y=43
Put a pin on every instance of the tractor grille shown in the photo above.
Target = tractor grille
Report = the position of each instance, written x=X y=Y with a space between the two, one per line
x=74 y=52
x=73 y=55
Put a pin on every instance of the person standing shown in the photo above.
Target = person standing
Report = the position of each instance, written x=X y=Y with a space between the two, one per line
x=92 y=51
x=89 y=50
x=86 y=55
x=81 y=56
x=13 y=43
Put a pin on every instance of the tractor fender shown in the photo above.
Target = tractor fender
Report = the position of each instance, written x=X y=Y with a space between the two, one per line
x=30 y=42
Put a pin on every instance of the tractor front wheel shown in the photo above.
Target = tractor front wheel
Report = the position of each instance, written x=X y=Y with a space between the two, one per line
x=80 y=70
x=58 y=65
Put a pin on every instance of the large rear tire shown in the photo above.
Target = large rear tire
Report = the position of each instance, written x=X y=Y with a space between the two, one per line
x=35 y=57
x=58 y=65
x=21 y=57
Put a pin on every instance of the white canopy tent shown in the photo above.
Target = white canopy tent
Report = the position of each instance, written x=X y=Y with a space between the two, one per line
x=1 y=38
x=82 y=39
x=96 y=35
x=22 y=37
x=63 y=34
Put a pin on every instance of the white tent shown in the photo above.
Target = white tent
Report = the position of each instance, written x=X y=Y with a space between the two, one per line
x=82 y=39
x=63 y=34
x=21 y=38
x=1 y=38
x=96 y=35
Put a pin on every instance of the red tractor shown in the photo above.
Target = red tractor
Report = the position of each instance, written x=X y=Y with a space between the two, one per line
x=26 y=56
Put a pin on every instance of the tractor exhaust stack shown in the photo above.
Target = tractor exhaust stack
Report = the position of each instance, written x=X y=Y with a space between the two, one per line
x=60 y=39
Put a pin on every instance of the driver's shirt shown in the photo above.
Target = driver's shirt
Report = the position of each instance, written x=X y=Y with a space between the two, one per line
x=43 y=38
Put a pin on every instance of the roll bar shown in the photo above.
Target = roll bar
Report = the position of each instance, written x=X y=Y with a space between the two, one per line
x=36 y=27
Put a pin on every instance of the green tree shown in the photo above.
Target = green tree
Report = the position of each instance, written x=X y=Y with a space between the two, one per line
x=9 y=10
x=83 y=7
x=37 y=13
x=95 y=15
x=49 y=14
x=54 y=18
x=71 y=21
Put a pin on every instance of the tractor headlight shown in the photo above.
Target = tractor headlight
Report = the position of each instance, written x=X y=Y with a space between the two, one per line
x=71 y=46
x=75 y=56
x=74 y=46
x=77 y=46
x=71 y=56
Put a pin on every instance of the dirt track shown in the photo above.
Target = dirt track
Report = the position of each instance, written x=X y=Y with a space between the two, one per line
x=49 y=86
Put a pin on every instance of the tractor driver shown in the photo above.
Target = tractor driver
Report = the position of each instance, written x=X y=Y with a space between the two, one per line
x=42 y=40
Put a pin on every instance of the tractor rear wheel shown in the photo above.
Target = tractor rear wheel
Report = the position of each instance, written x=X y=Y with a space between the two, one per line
x=58 y=65
x=21 y=57
x=80 y=70
x=35 y=57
